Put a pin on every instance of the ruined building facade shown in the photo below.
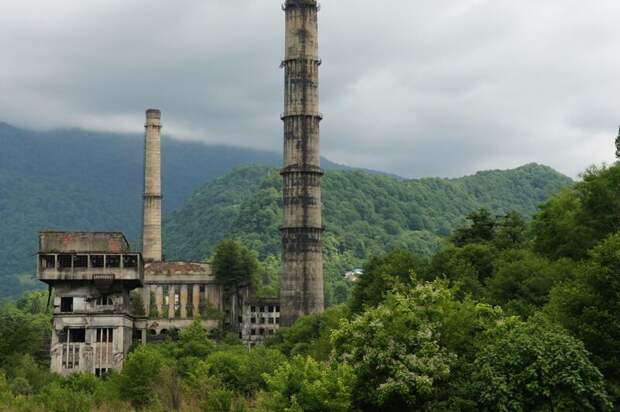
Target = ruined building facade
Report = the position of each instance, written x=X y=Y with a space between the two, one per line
x=302 y=274
x=92 y=275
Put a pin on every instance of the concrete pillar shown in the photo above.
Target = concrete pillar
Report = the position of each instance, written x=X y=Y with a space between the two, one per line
x=171 y=295
x=159 y=300
x=146 y=299
x=151 y=237
x=183 y=295
x=196 y=301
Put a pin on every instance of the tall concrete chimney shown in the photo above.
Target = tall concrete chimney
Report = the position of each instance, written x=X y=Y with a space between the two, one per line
x=151 y=236
x=302 y=274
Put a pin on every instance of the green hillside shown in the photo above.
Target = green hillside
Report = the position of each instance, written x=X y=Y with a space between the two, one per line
x=364 y=214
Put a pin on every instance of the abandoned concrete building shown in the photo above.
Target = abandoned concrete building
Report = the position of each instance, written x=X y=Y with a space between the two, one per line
x=94 y=275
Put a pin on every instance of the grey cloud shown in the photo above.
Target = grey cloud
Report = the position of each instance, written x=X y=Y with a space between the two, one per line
x=418 y=88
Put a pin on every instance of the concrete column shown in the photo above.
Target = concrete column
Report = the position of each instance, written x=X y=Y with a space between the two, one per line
x=151 y=237
x=196 y=301
x=146 y=299
x=159 y=300
x=171 y=294
x=183 y=295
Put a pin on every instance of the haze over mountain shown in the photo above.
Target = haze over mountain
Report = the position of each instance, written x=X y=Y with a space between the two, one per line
x=82 y=180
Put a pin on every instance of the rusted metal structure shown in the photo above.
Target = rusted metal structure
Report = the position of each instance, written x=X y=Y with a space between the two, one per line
x=302 y=274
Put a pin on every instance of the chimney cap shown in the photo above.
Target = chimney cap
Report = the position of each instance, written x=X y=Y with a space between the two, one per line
x=153 y=113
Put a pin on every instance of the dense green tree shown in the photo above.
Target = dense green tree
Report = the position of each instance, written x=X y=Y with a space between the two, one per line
x=481 y=229
x=305 y=385
x=142 y=373
x=233 y=263
x=535 y=366
x=395 y=351
x=381 y=275
x=310 y=335
x=511 y=231
x=589 y=307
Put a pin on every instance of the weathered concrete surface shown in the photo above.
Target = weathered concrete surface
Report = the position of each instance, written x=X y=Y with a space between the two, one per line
x=302 y=274
x=82 y=242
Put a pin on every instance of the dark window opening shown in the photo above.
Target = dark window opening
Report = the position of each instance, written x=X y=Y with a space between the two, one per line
x=80 y=261
x=152 y=332
x=240 y=335
x=261 y=331
x=104 y=300
x=96 y=261
x=270 y=321
x=277 y=308
x=66 y=305
x=271 y=331
x=100 y=372
x=130 y=261
x=277 y=321
x=113 y=261
x=48 y=261
x=252 y=332
x=253 y=320
x=202 y=289
x=105 y=335
x=240 y=319
x=262 y=320
x=77 y=335
x=137 y=334
x=164 y=332
x=253 y=308
x=64 y=261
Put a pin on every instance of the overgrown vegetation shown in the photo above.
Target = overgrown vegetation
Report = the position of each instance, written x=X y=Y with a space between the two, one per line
x=503 y=316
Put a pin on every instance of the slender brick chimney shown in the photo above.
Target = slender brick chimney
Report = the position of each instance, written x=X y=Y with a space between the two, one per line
x=302 y=274
x=151 y=236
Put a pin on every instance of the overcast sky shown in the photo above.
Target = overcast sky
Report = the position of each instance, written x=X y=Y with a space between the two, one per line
x=413 y=87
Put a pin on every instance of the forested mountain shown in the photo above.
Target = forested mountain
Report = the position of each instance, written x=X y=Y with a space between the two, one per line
x=364 y=214
x=76 y=179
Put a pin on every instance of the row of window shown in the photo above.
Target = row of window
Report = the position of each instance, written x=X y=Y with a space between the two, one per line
x=78 y=335
x=66 y=303
x=268 y=309
x=261 y=332
x=86 y=261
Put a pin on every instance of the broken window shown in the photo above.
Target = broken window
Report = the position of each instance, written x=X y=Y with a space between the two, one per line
x=80 y=261
x=277 y=321
x=113 y=261
x=66 y=304
x=262 y=320
x=130 y=261
x=253 y=309
x=270 y=321
x=105 y=335
x=104 y=300
x=252 y=332
x=64 y=261
x=99 y=372
x=48 y=261
x=253 y=320
x=77 y=335
x=96 y=261
x=261 y=331
x=277 y=308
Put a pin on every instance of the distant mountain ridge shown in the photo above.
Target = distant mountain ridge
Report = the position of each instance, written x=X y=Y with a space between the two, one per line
x=364 y=214
x=81 y=180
